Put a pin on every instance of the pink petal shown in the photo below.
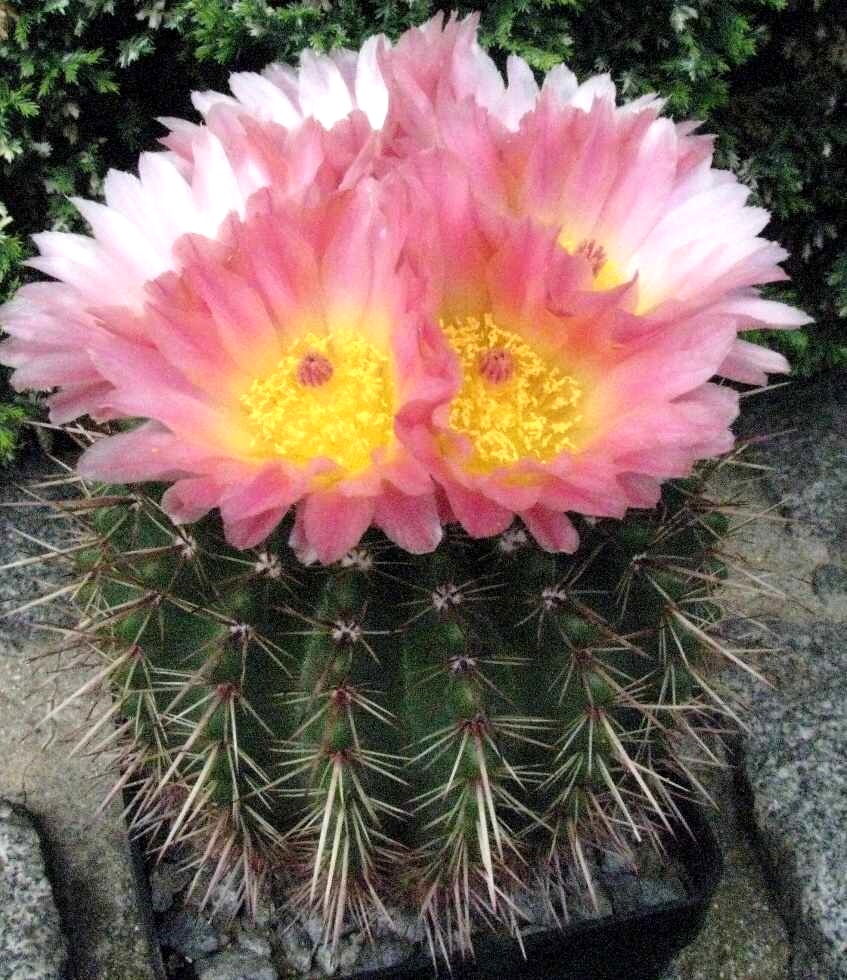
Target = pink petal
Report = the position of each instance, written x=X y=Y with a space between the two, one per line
x=251 y=531
x=264 y=99
x=480 y=517
x=552 y=530
x=147 y=453
x=269 y=488
x=752 y=363
x=412 y=523
x=191 y=499
x=245 y=330
x=146 y=386
x=73 y=401
x=371 y=91
x=643 y=491
x=333 y=524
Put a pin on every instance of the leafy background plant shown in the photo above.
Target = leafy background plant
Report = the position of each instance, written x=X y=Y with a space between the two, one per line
x=81 y=82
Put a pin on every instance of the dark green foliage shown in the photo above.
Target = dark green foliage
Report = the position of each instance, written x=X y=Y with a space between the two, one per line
x=83 y=80
x=11 y=417
x=433 y=732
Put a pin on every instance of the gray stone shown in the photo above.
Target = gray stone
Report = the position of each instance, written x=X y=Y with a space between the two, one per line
x=32 y=946
x=533 y=910
x=343 y=958
x=830 y=581
x=625 y=893
x=295 y=946
x=660 y=891
x=92 y=864
x=801 y=433
x=404 y=925
x=613 y=863
x=314 y=927
x=795 y=769
x=744 y=938
x=188 y=934
x=790 y=767
x=581 y=907
x=252 y=941
x=224 y=901
x=383 y=954
x=166 y=880
x=236 y=965
x=264 y=912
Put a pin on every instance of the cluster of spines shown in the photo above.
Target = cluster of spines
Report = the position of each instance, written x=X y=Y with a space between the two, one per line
x=437 y=732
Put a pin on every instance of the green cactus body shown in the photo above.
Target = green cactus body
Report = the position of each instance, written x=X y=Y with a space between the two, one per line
x=433 y=732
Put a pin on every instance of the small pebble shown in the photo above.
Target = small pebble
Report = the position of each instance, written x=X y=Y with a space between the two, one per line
x=659 y=891
x=188 y=934
x=625 y=891
x=296 y=946
x=234 y=965
x=384 y=954
x=581 y=907
x=830 y=581
x=166 y=879
x=252 y=941
x=343 y=958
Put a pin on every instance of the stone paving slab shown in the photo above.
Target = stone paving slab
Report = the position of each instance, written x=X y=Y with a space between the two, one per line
x=32 y=945
x=794 y=770
x=744 y=936
x=795 y=764
x=804 y=426
x=799 y=443
x=89 y=857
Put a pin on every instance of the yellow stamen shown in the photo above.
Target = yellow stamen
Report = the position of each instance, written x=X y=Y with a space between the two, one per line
x=529 y=411
x=329 y=396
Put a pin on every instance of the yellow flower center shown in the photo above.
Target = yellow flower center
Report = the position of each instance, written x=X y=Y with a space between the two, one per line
x=330 y=396
x=514 y=403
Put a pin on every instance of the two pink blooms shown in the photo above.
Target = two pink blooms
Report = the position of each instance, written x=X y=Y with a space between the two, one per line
x=390 y=288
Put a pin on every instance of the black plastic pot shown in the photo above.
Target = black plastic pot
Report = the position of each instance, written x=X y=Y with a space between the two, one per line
x=635 y=946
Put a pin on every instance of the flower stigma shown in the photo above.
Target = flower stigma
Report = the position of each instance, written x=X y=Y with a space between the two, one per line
x=606 y=274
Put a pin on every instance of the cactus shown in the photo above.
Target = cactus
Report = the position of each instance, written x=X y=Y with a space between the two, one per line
x=436 y=732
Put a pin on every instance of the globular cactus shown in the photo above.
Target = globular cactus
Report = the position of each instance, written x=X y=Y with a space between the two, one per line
x=435 y=732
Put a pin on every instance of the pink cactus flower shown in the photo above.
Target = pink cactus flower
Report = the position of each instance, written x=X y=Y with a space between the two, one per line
x=573 y=397
x=326 y=88
x=270 y=370
x=633 y=193
x=389 y=267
